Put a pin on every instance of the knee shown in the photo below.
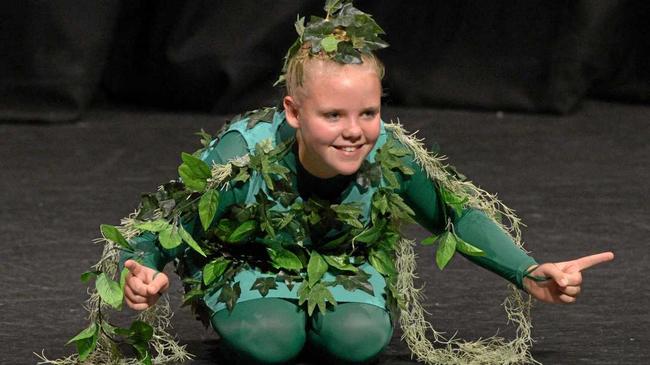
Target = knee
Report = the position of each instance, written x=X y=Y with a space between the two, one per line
x=265 y=331
x=356 y=335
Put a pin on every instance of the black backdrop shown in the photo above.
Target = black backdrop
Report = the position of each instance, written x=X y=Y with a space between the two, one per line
x=60 y=57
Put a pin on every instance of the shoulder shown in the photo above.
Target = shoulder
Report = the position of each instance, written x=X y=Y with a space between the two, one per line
x=240 y=135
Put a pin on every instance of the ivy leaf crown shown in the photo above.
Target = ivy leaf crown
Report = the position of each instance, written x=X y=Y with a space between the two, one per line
x=343 y=35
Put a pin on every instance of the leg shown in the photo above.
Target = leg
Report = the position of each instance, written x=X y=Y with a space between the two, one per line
x=353 y=333
x=263 y=331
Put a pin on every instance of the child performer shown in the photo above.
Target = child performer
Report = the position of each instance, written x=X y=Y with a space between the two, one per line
x=286 y=227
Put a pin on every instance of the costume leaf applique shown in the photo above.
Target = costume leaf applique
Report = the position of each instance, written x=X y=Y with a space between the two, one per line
x=229 y=295
x=263 y=285
x=317 y=295
x=354 y=282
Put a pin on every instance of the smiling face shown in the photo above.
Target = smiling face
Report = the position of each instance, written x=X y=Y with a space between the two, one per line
x=336 y=113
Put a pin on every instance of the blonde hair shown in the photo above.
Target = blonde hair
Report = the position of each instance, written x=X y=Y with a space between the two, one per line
x=295 y=74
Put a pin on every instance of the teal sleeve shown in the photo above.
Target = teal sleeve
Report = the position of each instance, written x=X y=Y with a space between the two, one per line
x=151 y=254
x=502 y=257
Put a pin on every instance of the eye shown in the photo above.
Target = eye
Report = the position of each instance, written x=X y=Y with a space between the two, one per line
x=369 y=114
x=332 y=115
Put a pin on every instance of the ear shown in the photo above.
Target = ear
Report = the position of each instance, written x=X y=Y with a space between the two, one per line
x=291 y=109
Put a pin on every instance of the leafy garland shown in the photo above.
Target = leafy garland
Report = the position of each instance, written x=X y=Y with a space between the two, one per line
x=343 y=35
x=296 y=236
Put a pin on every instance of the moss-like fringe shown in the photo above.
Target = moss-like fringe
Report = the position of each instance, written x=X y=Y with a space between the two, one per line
x=493 y=350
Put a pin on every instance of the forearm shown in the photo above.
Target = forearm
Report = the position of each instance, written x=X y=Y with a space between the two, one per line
x=502 y=255
x=147 y=249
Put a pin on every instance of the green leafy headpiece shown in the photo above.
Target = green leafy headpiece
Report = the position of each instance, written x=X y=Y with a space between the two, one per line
x=343 y=35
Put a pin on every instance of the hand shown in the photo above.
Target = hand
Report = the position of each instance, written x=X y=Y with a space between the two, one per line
x=564 y=278
x=143 y=285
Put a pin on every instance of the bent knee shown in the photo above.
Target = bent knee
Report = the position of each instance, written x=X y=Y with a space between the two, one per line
x=266 y=331
x=353 y=333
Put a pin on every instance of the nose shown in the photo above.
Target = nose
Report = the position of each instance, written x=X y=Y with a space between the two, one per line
x=352 y=130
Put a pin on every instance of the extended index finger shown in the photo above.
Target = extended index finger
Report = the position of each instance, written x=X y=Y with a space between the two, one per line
x=592 y=260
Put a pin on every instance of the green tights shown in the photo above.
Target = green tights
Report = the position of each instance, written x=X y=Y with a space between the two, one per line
x=274 y=331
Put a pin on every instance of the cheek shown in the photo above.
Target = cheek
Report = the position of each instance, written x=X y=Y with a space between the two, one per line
x=322 y=134
x=371 y=130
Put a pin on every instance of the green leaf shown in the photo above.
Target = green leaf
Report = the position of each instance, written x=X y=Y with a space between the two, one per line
x=109 y=291
x=284 y=259
x=88 y=332
x=194 y=172
x=341 y=262
x=243 y=231
x=372 y=234
x=192 y=182
x=242 y=176
x=144 y=356
x=208 y=207
x=85 y=277
x=111 y=233
x=380 y=202
x=140 y=331
x=263 y=285
x=467 y=248
x=398 y=204
x=445 y=250
x=300 y=26
x=316 y=268
x=318 y=295
x=123 y=275
x=382 y=262
x=190 y=240
x=199 y=168
x=332 y=5
x=152 y=226
x=206 y=138
x=214 y=269
x=354 y=282
x=170 y=238
x=192 y=295
x=86 y=341
x=229 y=295
x=430 y=241
x=329 y=43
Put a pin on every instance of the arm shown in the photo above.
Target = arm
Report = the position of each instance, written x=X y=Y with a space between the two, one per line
x=502 y=255
x=550 y=282
x=145 y=282
x=151 y=254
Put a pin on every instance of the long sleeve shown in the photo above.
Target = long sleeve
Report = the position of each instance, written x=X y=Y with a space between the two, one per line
x=150 y=253
x=502 y=255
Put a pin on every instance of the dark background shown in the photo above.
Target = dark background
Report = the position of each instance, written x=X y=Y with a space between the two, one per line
x=542 y=102
x=61 y=57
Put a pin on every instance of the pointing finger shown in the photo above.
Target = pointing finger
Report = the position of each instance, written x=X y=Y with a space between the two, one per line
x=592 y=260
x=134 y=267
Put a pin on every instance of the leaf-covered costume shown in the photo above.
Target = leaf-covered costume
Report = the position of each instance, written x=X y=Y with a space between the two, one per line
x=417 y=191
x=323 y=241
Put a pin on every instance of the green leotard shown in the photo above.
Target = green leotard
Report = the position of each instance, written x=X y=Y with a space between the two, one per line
x=243 y=329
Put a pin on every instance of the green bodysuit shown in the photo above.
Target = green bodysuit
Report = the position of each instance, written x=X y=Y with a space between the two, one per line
x=265 y=324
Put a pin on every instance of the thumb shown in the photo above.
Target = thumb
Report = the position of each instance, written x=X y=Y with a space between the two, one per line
x=159 y=284
x=559 y=276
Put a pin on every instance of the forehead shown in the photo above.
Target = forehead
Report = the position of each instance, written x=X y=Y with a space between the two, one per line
x=320 y=75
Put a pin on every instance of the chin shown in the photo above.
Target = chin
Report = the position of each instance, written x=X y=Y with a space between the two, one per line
x=349 y=169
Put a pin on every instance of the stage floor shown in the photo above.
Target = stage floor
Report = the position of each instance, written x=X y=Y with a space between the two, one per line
x=580 y=183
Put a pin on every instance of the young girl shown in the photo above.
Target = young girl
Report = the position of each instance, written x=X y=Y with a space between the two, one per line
x=291 y=237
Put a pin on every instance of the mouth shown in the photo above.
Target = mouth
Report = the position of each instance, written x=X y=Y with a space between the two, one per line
x=348 y=148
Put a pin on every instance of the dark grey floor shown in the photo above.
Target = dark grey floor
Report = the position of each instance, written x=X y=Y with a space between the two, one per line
x=579 y=182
